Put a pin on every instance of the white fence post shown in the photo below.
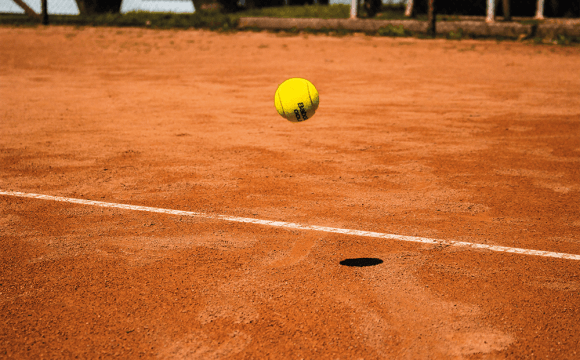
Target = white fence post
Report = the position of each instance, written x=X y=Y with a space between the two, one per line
x=409 y=8
x=540 y=10
x=354 y=9
x=490 y=11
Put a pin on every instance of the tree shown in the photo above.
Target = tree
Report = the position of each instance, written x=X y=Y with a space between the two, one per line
x=432 y=13
x=372 y=7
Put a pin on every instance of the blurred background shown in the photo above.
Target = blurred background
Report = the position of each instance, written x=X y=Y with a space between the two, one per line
x=521 y=8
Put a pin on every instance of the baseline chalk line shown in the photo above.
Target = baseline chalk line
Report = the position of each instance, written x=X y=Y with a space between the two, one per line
x=287 y=225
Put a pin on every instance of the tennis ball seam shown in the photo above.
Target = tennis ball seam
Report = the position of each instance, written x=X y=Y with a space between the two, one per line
x=281 y=105
x=310 y=97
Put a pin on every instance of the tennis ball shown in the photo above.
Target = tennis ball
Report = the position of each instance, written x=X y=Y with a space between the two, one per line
x=296 y=99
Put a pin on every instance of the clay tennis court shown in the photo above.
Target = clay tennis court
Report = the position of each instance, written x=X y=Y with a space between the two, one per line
x=250 y=237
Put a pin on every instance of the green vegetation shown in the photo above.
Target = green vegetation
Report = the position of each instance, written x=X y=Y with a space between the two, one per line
x=215 y=20
x=456 y=35
x=201 y=19
x=209 y=19
x=391 y=30
x=337 y=11
x=564 y=40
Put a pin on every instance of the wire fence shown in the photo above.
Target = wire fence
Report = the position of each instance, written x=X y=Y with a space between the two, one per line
x=71 y=7
x=55 y=7
x=526 y=8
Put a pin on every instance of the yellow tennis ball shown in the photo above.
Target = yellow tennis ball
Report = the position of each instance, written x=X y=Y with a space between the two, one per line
x=296 y=99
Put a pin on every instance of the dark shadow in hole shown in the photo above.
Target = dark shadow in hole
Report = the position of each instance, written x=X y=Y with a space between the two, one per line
x=361 y=262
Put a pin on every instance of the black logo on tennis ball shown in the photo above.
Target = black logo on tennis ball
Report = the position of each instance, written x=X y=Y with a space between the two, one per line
x=301 y=112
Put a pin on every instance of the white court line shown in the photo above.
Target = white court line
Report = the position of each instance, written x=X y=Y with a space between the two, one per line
x=287 y=225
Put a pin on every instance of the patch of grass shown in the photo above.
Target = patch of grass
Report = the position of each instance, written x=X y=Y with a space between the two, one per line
x=285 y=32
x=336 y=11
x=537 y=40
x=340 y=32
x=455 y=35
x=294 y=32
x=391 y=30
x=17 y=20
x=560 y=39
x=200 y=19
x=563 y=40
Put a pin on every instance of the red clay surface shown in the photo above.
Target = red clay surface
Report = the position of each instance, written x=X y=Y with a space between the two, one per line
x=473 y=141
